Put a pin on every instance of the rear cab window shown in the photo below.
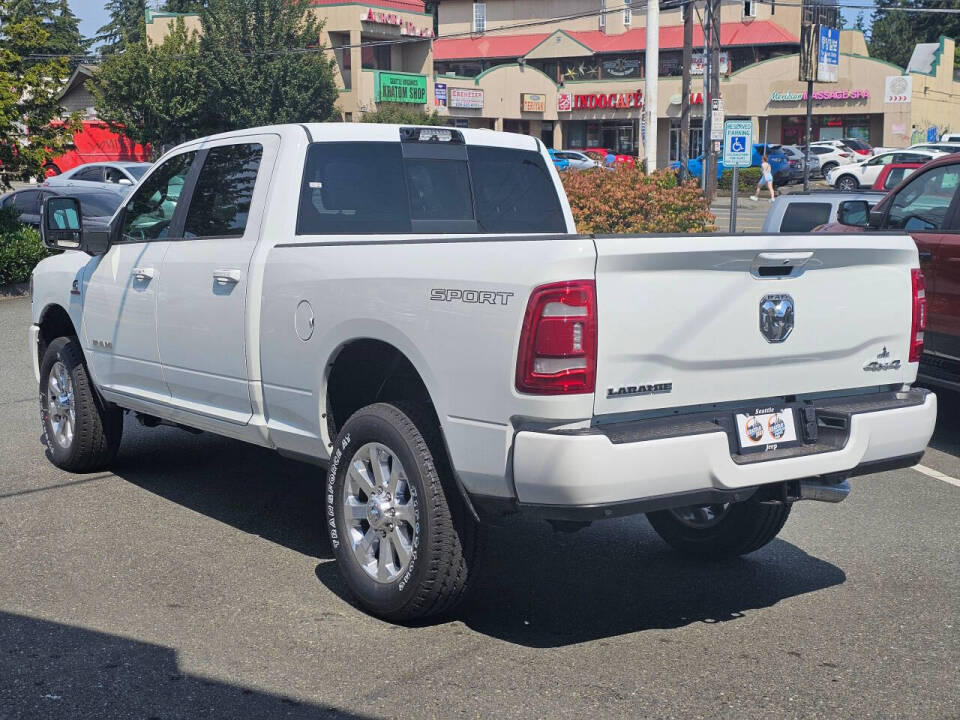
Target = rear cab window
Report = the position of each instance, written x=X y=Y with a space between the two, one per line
x=804 y=216
x=431 y=187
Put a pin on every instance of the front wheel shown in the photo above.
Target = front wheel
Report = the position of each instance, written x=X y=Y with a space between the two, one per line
x=847 y=183
x=403 y=541
x=720 y=530
x=80 y=430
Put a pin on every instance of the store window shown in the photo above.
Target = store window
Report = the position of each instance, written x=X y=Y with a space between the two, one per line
x=376 y=57
x=479 y=17
x=603 y=14
x=749 y=8
x=696 y=139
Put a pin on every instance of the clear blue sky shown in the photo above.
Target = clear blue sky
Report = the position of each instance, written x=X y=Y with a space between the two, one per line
x=92 y=15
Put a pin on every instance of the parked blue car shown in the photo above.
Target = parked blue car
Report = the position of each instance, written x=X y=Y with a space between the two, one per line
x=558 y=163
x=779 y=163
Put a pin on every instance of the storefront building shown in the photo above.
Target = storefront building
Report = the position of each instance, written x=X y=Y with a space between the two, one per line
x=366 y=72
x=592 y=80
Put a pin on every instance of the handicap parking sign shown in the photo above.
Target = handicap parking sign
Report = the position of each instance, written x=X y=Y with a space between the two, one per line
x=738 y=143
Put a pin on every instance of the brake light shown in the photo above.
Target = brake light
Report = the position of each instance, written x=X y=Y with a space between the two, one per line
x=846 y=154
x=919 y=320
x=558 y=343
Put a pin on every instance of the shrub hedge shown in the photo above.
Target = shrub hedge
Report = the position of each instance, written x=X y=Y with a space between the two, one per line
x=20 y=248
x=626 y=200
x=747 y=179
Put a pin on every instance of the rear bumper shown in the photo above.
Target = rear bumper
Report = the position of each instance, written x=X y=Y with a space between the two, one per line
x=694 y=460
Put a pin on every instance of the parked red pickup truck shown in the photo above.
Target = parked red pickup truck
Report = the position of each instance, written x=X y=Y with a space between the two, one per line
x=927 y=205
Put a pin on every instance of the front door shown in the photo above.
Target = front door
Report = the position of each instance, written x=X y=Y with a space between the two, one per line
x=120 y=292
x=202 y=298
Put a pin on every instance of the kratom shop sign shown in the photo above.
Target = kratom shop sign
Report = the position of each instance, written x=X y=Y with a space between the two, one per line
x=401 y=88
x=823 y=96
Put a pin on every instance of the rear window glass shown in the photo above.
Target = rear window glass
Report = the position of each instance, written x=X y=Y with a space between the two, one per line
x=221 y=200
x=370 y=188
x=804 y=217
x=895 y=177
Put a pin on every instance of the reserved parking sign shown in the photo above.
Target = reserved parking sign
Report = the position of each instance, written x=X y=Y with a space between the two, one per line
x=738 y=143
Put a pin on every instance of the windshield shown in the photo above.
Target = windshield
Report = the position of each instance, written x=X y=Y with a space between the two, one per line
x=98 y=204
x=136 y=170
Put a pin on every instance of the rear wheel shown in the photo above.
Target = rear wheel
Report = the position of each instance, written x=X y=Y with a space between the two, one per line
x=847 y=182
x=81 y=431
x=50 y=170
x=827 y=167
x=721 y=529
x=402 y=537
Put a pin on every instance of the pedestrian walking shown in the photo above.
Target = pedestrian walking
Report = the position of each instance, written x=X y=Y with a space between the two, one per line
x=766 y=177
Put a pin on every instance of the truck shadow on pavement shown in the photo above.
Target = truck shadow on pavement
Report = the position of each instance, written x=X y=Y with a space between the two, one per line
x=536 y=587
x=51 y=670
x=946 y=437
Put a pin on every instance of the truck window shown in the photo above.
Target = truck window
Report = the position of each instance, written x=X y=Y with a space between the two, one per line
x=353 y=188
x=368 y=187
x=514 y=191
x=221 y=199
x=923 y=203
x=804 y=216
x=151 y=207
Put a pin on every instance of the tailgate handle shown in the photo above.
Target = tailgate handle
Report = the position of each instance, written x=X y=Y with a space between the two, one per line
x=780 y=264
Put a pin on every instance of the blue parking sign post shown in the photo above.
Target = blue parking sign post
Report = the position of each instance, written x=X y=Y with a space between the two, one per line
x=737 y=153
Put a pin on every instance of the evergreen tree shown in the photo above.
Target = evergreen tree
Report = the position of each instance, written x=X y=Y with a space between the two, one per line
x=126 y=26
x=65 y=36
x=31 y=129
x=184 y=6
x=257 y=62
x=895 y=33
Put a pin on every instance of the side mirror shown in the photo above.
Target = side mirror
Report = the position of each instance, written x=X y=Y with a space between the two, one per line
x=61 y=224
x=61 y=227
x=853 y=212
x=124 y=181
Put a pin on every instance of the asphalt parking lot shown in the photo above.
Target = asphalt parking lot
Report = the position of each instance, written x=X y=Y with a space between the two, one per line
x=195 y=582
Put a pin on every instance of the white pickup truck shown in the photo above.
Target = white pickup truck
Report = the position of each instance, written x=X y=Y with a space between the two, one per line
x=413 y=309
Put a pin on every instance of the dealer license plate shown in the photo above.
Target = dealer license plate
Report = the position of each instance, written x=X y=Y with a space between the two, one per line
x=765 y=428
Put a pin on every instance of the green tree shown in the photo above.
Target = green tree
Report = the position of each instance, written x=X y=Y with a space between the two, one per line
x=152 y=95
x=126 y=26
x=65 y=36
x=31 y=129
x=400 y=114
x=894 y=34
x=257 y=62
x=184 y=6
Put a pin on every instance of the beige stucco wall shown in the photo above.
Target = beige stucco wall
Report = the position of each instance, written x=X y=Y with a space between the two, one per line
x=162 y=24
x=936 y=99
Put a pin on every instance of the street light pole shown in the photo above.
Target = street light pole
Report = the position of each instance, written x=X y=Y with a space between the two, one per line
x=684 y=149
x=652 y=78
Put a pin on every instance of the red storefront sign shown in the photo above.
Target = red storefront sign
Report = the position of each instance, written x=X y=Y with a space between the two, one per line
x=696 y=98
x=616 y=101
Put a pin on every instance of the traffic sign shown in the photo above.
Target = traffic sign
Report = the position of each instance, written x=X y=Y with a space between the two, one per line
x=738 y=143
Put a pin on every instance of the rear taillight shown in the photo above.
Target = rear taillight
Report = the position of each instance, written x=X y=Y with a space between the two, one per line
x=558 y=343
x=919 y=320
x=845 y=155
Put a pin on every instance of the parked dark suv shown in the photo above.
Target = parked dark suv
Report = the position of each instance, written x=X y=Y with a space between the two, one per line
x=927 y=205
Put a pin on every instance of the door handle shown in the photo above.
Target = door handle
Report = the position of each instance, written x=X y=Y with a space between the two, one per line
x=227 y=277
x=926 y=255
x=143 y=274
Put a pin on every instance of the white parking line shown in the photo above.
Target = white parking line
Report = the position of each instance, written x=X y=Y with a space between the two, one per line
x=936 y=474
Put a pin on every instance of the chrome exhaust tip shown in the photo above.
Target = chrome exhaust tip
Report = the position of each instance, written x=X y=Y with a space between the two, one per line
x=823 y=491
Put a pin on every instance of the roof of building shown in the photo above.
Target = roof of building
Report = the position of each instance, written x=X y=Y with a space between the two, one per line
x=757 y=32
x=79 y=76
x=404 y=5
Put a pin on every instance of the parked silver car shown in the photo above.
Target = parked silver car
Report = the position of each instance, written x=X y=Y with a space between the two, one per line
x=803 y=211
x=107 y=175
x=578 y=160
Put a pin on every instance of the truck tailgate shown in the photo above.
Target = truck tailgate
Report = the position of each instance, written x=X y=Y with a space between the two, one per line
x=680 y=317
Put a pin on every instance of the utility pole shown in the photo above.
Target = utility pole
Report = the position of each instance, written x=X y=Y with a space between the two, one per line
x=652 y=78
x=714 y=66
x=685 y=90
x=707 y=146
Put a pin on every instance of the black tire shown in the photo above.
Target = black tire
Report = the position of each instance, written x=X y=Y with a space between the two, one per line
x=444 y=535
x=847 y=183
x=745 y=527
x=827 y=168
x=97 y=427
x=50 y=170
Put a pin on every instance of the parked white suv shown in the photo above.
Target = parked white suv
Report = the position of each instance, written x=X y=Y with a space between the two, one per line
x=414 y=309
x=831 y=156
x=865 y=173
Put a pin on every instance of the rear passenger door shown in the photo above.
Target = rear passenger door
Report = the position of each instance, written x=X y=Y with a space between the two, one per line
x=203 y=289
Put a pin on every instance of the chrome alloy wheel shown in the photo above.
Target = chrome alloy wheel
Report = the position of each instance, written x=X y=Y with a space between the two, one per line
x=379 y=512
x=60 y=405
x=701 y=516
